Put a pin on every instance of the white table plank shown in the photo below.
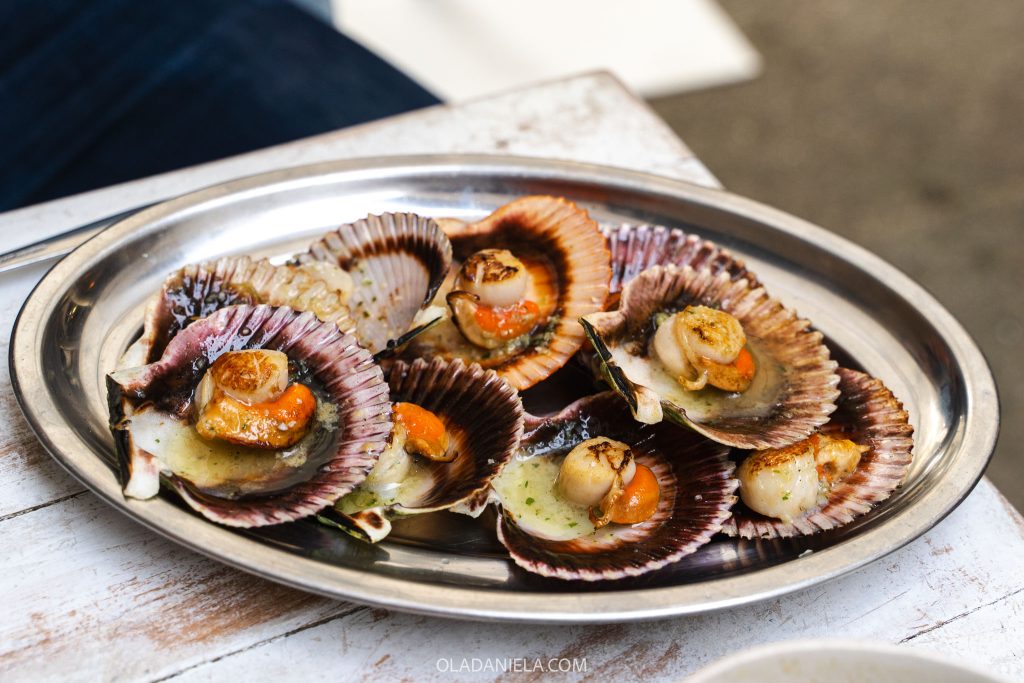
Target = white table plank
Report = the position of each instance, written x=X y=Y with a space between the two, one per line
x=174 y=614
x=92 y=595
x=29 y=477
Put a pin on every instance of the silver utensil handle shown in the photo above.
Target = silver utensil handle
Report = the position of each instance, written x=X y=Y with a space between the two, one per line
x=57 y=246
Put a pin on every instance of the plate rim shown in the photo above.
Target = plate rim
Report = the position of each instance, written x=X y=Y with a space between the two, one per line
x=449 y=600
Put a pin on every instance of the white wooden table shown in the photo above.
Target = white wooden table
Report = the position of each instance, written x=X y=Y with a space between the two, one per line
x=88 y=594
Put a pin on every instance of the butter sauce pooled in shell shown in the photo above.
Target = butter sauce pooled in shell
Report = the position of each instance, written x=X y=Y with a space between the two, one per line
x=676 y=499
x=278 y=437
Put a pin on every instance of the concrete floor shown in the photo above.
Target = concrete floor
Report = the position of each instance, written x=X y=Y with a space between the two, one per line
x=899 y=125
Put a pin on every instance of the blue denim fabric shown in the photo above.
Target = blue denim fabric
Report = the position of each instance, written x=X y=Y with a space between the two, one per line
x=99 y=92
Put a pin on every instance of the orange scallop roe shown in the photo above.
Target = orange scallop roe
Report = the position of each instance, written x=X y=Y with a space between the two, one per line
x=639 y=499
x=426 y=434
x=276 y=424
x=744 y=364
x=508 y=322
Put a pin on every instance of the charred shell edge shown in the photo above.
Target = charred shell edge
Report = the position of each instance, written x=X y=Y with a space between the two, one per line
x=882 y=423
x=812 y=389
x=635 y=248
x=370 y=526
x=578 y=236
x=484 y=413
x=708 y=474
x=355 y=384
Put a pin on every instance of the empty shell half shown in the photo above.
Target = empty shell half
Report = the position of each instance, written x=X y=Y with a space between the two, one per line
x=635 y=248
x=396 y=261
x=196 y=291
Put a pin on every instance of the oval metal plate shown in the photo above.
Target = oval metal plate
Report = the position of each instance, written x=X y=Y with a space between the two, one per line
x=89 y=306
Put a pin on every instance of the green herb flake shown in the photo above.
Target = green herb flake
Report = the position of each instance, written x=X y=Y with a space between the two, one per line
x=572 y=524
x=529 y=501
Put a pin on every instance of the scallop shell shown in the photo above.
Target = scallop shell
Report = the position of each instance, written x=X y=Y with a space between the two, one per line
x=868 y=414
x=806 y=391
x=484 y=418
x=353 y=382
x=196 y=291
x=569 y=265
x=397 y=262
x=635 y=248
x=697 y=492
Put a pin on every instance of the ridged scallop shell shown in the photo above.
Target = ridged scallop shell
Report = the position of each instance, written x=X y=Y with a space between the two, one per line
x=568 y=259
x=484 y=418
x=868 y=414
x=397 y=262
x=697 y=492
x=806 y=391
x=196 y=291
x=635 y=248
x=352 y=381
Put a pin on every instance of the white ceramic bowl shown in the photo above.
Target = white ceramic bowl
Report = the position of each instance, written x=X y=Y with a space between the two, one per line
x=837 y=661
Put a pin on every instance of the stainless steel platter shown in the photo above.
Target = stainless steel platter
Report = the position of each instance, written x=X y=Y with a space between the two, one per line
x=85 y=312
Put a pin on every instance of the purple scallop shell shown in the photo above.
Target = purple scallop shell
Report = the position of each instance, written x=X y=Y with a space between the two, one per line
x=353 y=382
x=197 y=290
x=807 y=396
x=397 y=262
x=868 y=414
x=635 y=248
x=484 y=419
x=697 y=492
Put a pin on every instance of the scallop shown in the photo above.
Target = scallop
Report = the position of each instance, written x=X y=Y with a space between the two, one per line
x=565 y=261
x=293 y=414
x=792 y=389
x=482 y=418
x=549 y=535
x=871 y=420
